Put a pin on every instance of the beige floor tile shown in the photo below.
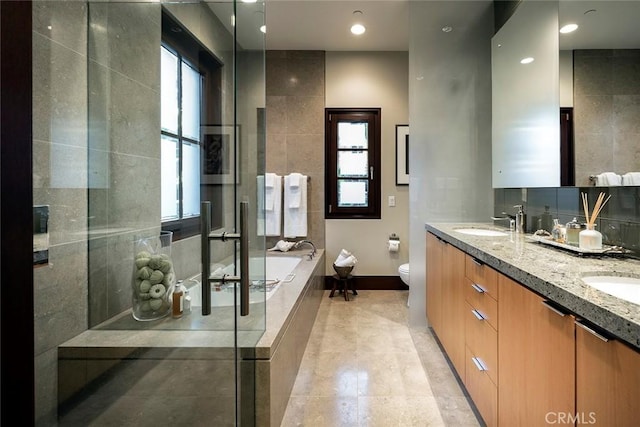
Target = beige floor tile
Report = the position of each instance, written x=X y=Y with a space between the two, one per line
x=390 y=411
x=321 y=412
x=328 y=374
x=363 y=366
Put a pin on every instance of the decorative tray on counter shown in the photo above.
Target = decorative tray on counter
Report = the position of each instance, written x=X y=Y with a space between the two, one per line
x=606 y=249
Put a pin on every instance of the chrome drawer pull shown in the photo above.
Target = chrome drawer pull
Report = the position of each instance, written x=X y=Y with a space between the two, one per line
x=478 y=364
x=591 y=331
x=478 y=315
x=552 y=308
x=478 y=288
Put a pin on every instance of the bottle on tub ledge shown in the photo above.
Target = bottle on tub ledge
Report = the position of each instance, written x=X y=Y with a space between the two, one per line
x=177 y=300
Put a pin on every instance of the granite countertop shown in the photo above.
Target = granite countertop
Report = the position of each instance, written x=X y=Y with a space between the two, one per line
x=555 y=274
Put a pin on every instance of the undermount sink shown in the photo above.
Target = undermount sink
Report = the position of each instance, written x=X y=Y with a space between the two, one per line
x=626 y=288
x=481 y=232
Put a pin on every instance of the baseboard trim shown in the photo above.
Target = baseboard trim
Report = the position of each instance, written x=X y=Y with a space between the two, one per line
x=376 y=283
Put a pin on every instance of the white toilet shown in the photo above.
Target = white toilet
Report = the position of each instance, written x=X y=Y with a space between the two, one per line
x=403 y=270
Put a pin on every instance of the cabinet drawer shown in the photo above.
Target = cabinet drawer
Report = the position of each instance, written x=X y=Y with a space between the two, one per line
x=482 y=275
x=482 y=340
x=483 y=392
x=482 y=302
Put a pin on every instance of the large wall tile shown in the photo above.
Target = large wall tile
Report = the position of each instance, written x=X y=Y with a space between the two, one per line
x=305 y=114
x=58 y=20
x=60 y=297
x=138 y=206
x=126 y=36
x=59 y=93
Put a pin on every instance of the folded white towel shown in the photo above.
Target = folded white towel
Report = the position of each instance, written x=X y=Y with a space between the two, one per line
x=631 y=178
x=350 y=261
x=294 y=188
x=269 y=206
x=344 y=254
x=270 y=189
x=608 y=179
x=295 y=207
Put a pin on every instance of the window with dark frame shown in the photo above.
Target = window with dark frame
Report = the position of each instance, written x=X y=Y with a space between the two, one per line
x=352 y=155
x=190 y=98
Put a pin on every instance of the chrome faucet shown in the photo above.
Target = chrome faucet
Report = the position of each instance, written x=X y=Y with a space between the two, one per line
x=506 y=217
x=309 y=242
x=520 y=219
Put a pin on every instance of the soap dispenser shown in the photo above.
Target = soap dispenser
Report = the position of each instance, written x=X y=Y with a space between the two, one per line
x=573 y=232
x=520 y=219
x=546 y=221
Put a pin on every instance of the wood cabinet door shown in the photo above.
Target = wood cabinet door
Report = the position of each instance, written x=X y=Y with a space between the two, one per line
x=607 y=381
x=536 y=359
x=453 y=306
x=435 y=249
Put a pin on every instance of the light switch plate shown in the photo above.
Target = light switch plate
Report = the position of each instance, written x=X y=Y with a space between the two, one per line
x=392 y=201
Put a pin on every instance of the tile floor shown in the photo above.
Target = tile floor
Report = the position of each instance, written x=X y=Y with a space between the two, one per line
x=363 y=366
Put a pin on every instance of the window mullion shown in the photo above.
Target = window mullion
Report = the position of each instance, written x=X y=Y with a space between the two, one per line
x=180 y=138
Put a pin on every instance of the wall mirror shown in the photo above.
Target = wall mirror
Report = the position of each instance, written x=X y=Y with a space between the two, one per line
x=600 y=81
x=595 y=78
x=525 y=98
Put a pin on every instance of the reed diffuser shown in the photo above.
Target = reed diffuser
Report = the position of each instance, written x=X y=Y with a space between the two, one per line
x=591 y=238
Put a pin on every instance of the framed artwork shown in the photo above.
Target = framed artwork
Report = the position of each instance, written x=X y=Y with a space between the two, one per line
x=218 y=154
x=402 y=154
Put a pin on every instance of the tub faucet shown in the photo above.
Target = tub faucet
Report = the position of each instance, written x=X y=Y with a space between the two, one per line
x=313 y=250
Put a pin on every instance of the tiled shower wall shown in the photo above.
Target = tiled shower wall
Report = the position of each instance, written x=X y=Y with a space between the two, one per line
x=606 y=112
x=295 y=127
x=619 y=221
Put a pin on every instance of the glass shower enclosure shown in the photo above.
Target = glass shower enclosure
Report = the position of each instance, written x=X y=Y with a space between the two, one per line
x=143 y=110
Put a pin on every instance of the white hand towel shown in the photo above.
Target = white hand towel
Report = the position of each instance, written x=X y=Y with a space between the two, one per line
x=295 y=189
x=344 y=254
x=270 y=220
x=295 y=218
x=608 y=179
x=631 y=178
x=269 y=190
x=350 y=261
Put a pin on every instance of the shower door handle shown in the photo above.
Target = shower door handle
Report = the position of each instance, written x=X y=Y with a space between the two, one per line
x=244 y=258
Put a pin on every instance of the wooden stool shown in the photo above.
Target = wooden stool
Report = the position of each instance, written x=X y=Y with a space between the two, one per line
x=342 y=284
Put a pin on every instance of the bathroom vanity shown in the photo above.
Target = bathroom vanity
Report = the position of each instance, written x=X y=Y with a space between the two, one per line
x=530 y=340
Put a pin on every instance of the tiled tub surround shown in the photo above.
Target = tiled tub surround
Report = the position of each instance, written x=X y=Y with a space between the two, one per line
x=142 y=372
x=619 y=221
x=555 y=274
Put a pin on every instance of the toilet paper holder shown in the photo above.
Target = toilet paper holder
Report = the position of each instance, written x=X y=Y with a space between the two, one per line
x=394 y=236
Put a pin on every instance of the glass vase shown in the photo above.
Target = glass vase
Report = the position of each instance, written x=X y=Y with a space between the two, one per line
x=590 y=239
x=153 y=277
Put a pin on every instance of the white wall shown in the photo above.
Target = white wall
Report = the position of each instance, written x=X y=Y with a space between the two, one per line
x=372 y=79
x=450 y=115
x=566 y=78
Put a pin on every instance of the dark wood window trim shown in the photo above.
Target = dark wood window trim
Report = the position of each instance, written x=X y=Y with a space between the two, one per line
x=179 y=40
x=332 y=117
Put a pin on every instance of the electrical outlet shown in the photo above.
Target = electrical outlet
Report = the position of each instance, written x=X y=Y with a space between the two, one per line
x=392 y=201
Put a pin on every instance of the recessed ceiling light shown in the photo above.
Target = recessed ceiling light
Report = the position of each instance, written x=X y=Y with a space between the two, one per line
x=447 y=29
x=569 y=28
x=249 y=1
x=263 y=28
x=358 y=29
x=527 y=60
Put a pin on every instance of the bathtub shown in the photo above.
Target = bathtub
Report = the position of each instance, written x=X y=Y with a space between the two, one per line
x=278 y=271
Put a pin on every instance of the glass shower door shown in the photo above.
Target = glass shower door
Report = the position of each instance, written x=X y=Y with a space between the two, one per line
x=166 y=109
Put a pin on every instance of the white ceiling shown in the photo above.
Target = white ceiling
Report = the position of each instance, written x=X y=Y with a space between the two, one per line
x=607 y=25
x=325 y=24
